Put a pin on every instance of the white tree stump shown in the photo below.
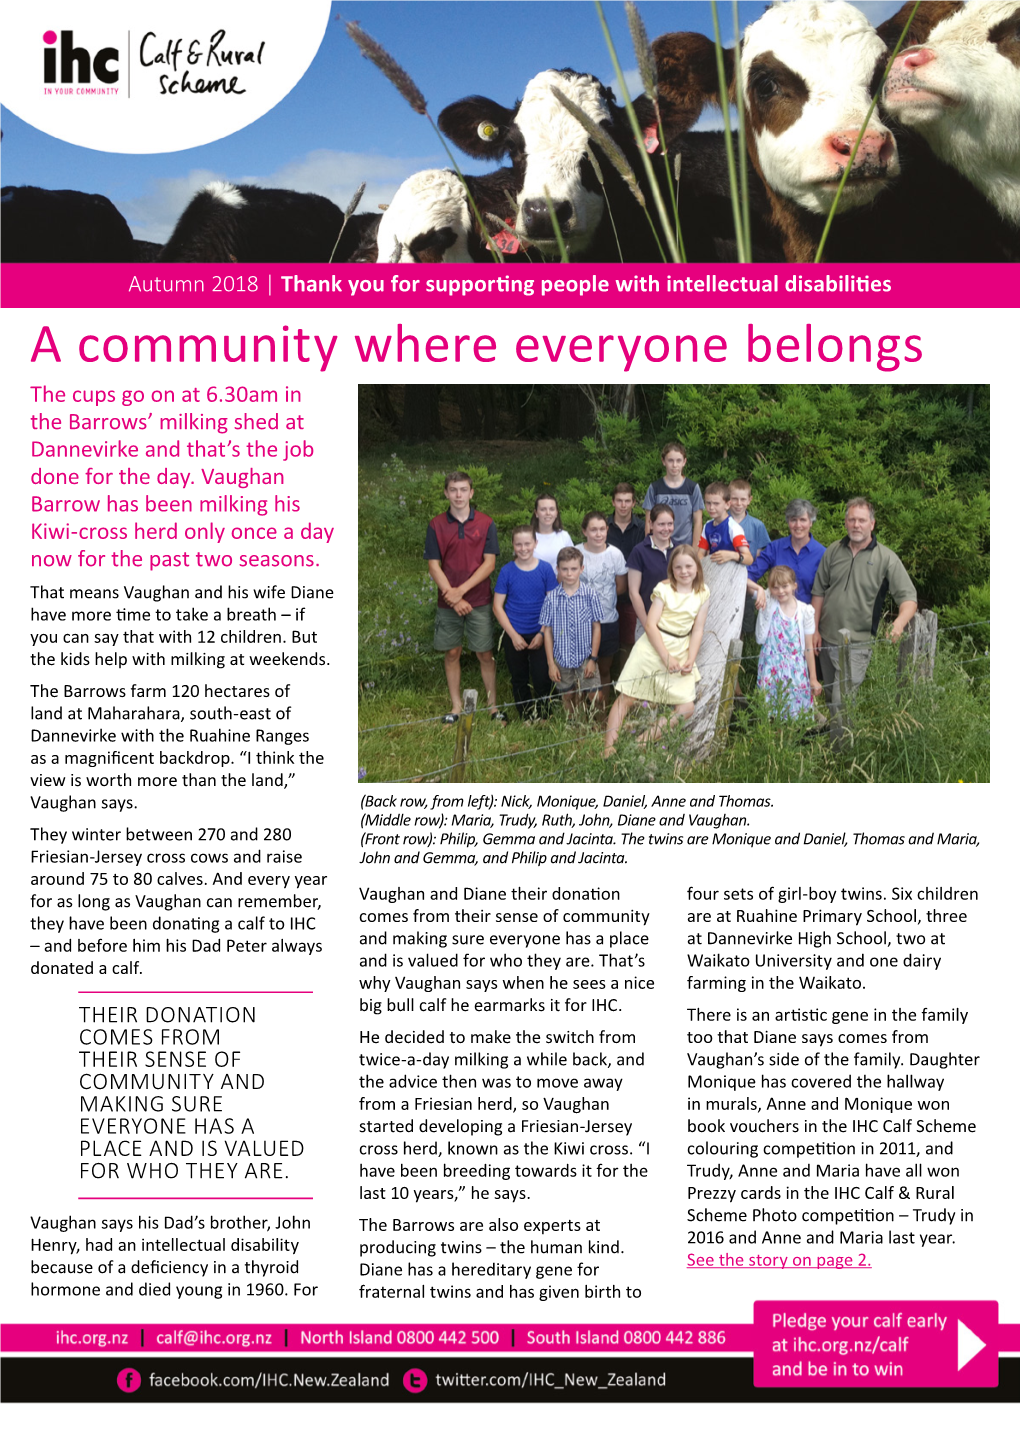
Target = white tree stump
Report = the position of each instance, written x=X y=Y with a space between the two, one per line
x=727 y=585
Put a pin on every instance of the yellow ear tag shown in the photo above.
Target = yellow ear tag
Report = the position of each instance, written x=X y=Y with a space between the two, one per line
x=487 y=131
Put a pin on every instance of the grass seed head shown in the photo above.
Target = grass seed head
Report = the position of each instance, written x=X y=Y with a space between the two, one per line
x=395 y=74
x=642 y=49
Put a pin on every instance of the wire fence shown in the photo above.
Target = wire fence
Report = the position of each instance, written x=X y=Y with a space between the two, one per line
x=547 y=703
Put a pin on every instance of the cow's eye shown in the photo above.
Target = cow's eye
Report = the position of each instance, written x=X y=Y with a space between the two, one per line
x=487 y=131
x=765 y=88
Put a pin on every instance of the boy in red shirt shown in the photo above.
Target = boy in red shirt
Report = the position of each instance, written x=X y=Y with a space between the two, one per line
x=461 y=550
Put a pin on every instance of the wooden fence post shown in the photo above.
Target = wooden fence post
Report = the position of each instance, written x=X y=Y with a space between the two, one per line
x=729 y=689
x=727 y=589
x=916 y=660
x=462 y=742
x=843 y=731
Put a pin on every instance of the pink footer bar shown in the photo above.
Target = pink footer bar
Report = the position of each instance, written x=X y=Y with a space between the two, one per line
x=663 y=287
x=467 y=1337
x=795 y=1344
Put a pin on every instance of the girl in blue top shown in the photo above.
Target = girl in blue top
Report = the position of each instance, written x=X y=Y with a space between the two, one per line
x=517 y=605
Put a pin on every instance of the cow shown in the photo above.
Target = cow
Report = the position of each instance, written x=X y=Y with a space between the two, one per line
x=225 y=222
x=956 y=83
x=809 y=69
x=556 y=184
x=431 y=218
x=358 y=240
x=62 y=225
x=809 y=73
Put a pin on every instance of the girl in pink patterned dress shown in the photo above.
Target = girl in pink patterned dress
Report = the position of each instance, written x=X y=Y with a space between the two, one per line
x=786 y=665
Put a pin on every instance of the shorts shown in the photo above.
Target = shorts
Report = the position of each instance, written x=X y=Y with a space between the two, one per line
x=572 y=678
x=610 y=642
x=626 y=623
x=473 y=630
x=750 y=616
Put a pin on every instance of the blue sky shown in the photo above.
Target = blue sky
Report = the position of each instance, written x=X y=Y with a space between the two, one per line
x=344 y=123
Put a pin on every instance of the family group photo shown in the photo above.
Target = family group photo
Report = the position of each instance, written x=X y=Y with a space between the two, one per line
x=675 y=131
x=690 y=583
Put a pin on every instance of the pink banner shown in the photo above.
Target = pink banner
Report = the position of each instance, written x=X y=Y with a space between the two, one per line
x=361 y=287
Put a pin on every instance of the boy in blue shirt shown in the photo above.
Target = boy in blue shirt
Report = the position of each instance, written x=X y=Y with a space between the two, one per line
x=722 y=539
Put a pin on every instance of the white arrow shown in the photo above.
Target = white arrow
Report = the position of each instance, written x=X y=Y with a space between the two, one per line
x=968 y=1345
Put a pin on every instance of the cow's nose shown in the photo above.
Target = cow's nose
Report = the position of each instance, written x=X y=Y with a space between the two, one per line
x=913 y=59
x=538 y=220
x=875 y=152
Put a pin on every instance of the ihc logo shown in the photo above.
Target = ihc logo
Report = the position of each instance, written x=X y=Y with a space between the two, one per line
x=129 y=1380
x=76 y=65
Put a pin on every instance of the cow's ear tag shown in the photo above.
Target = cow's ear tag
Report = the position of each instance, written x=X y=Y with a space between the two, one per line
x=506 y=242
x=487 y=131
x=650 y=136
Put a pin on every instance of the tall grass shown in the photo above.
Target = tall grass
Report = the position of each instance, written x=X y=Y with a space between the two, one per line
x=860 y=134
x=672 y=242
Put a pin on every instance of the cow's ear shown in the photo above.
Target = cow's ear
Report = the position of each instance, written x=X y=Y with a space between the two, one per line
x=644 y=109
x=479 y=126
x=687 y=78
x=927 y=17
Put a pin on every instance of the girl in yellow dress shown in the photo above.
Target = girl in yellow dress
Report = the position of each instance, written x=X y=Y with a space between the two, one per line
x=661 y=666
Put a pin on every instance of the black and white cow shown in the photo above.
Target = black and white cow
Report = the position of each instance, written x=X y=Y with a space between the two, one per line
x=556 y=185
x=62 y=225
x=225 y=222
x=956 y=83
x=548 y=154
x=431 y=218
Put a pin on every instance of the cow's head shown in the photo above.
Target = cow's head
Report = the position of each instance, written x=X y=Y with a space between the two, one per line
x=957 y=83
x=809 y=71
x=428 y=220
x=547 y=149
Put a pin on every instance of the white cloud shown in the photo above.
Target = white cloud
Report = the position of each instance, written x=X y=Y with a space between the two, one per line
x=333 y=173
x=634 y=85
x=711 y=118
x=876 y=10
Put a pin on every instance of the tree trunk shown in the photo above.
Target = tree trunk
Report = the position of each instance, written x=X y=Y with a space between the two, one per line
x=420 y=421
x=577 y=414
x=382 y=406
x=470 y=418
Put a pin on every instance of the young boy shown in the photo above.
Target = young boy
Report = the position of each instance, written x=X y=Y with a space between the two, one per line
x=722 y=538
x=755 y=531
x=624 y=530
x=625 y=533
x=572 y=627
x=461 y=550
x=605 y=571
x=681 y=496
x=757 y=537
